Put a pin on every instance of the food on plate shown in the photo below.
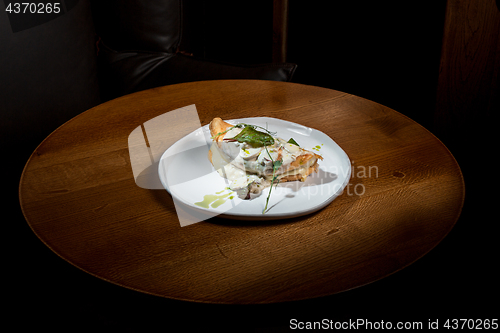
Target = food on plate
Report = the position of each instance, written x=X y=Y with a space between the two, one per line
x=253 y=158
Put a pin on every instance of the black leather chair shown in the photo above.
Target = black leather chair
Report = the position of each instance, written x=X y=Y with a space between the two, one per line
x=140 y=47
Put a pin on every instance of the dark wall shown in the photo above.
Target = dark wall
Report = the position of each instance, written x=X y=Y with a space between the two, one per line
x=385 y=51
x=47 y=74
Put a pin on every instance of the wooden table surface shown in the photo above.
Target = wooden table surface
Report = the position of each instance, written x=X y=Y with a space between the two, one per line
x=79 y=196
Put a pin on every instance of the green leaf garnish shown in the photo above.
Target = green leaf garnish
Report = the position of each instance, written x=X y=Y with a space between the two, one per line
x=244 y=125
x=253 y=137
x=292 y=141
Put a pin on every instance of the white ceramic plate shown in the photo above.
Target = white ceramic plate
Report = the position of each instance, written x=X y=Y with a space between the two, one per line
x=187 y=174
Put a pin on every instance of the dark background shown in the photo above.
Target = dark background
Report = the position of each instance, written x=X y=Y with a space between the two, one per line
x=386 y=51
x=378 y=50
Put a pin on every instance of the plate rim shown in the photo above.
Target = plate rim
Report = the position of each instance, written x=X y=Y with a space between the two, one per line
x=257 y=216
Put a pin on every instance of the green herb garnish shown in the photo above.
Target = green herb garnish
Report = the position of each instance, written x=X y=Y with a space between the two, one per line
x=253 y=137
x=258 y=139
x=293 y=142
x=276 y=165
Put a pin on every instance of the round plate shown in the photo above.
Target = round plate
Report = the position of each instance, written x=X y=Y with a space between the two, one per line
x=187 y=174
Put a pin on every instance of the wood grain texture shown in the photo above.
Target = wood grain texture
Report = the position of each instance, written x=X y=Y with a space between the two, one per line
x=468 y=92
x=79 y=196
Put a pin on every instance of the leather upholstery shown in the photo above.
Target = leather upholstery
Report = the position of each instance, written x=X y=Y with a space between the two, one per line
x=153 y=25
x=130 y=71
x=48 y=72
x=138 y=49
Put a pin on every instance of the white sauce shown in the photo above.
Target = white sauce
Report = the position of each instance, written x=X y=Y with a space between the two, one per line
x=249 y=170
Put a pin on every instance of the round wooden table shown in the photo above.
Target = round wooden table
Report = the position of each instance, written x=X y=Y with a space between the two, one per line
x=79 y=196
